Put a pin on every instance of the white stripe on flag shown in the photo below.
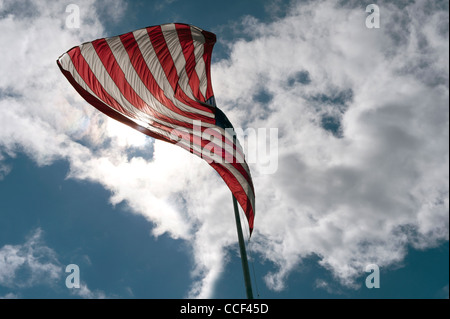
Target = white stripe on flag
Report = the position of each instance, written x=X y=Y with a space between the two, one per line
x=241 y=179
x=176 y=51
x=200 y=68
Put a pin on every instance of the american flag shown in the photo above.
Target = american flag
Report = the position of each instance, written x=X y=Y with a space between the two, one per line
x=158 y=81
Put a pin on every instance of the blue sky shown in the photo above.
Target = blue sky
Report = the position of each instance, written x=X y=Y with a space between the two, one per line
x=361 y=158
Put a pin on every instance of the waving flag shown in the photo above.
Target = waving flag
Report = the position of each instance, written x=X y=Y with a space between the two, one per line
x=157 y=80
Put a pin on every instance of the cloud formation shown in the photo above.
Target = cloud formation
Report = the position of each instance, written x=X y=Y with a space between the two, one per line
x=362 y=118
x=32 y=264
x=27 y=265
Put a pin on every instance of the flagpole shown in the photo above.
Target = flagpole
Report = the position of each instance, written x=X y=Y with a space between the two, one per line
x=247 y=280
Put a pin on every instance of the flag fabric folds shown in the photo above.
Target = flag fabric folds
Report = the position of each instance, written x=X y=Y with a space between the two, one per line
x=157 y=80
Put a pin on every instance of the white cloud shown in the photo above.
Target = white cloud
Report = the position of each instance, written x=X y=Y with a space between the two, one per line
x=30 y=264
x=443 y=293
x=160 y=5
x=9 y=296
x=357 y=197
x=4 y=168
x=35 y=264
x=327 y=286
x=85 y=293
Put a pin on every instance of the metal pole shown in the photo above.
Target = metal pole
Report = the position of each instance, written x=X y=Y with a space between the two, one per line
x=247 y=280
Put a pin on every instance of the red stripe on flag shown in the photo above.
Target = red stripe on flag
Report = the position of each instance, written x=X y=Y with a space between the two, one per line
x=162 y=52
x=187 y=44
x=224 y=139
x=209 y=147
x=210 y=40
x=232 y=183
x=238 y=192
